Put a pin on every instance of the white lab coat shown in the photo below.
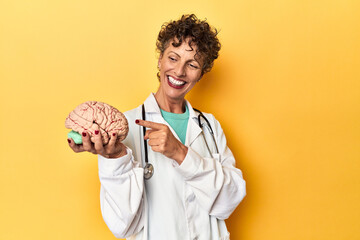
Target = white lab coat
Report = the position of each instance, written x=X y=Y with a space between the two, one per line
x=180 y=202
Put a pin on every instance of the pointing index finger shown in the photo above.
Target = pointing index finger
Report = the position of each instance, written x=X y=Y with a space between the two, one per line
x=149 y=124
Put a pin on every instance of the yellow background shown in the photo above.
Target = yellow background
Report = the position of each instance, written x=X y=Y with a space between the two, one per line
x=286 y=89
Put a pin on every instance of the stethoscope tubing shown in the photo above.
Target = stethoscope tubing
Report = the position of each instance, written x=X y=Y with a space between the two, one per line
x=208 y=126
x=149 y=168
x=144 y=132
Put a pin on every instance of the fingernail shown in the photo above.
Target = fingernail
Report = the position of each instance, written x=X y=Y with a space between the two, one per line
x=84 y=134
x=96 y=132
x=69 y=141
x=114 y=134
x=137 y=121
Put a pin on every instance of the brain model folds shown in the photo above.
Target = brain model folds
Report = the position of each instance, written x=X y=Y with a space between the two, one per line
x=88 y=115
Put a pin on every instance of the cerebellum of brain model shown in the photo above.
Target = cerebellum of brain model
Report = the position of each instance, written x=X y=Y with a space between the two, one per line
x=88 y=115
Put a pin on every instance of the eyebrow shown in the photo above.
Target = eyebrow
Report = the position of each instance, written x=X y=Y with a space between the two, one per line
x=175 y=53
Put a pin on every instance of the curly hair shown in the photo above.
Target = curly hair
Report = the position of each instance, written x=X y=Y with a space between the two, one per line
x=199 y=33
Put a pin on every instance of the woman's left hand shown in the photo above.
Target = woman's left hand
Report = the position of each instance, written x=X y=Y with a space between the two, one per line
x=163 y=141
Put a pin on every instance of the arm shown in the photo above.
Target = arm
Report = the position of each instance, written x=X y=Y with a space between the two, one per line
x=121 y=178
x=121 y=194
x=217 y=184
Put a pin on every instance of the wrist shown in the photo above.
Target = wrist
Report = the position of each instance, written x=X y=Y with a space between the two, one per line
x=122 y=153
x=181 y=154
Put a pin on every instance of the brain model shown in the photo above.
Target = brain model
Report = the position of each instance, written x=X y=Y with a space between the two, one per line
x=88 y=115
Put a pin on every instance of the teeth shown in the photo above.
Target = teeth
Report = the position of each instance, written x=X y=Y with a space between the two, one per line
x=176 y=82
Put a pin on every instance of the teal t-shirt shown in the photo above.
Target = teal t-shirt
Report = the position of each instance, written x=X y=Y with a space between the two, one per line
x=178 y=121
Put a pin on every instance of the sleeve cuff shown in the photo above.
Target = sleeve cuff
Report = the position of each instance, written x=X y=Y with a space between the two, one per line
x=189 y=167
x=115 y=166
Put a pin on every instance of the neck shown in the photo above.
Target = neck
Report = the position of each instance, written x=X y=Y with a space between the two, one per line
x=170 y=105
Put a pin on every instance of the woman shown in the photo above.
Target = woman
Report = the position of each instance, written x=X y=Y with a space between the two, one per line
x=193 y=188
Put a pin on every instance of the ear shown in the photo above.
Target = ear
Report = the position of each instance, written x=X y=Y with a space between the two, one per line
x=159 y=61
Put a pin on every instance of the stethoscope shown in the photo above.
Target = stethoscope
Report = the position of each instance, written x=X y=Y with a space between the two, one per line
x=149 y=168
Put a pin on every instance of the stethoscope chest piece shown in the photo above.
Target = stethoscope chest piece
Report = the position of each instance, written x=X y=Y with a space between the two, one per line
x=148 y=171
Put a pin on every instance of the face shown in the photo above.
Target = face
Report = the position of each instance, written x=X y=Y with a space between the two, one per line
x=180 y=70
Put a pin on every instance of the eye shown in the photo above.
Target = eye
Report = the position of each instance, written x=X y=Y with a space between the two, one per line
x=172 y=59
x=193 y=66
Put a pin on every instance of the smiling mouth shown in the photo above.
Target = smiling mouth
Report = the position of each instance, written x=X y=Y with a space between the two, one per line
x=175 y=83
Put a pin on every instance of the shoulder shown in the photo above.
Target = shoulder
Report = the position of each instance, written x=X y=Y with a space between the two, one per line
x=214 y=123
x=209 y=116
x=133 y=113
x=134 y=130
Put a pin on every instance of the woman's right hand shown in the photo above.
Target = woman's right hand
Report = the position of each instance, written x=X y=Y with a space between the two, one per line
x=114 y=148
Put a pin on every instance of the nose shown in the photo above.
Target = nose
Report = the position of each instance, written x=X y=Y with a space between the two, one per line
x=180 y=69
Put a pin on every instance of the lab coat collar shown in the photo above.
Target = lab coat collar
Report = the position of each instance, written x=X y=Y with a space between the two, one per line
x=193 y=129
x=151 y=106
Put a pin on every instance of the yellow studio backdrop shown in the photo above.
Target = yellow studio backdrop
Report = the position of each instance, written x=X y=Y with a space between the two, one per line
x=286 y=89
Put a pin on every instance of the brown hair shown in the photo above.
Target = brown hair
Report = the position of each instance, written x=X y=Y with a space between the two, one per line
x=199 y=32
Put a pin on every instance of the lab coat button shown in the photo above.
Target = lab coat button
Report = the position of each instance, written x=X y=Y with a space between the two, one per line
x=191 y=198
